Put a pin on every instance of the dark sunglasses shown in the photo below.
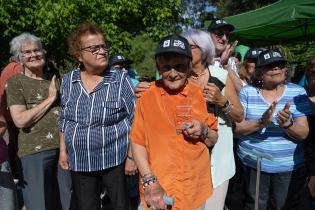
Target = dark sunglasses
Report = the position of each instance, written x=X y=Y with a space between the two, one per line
x=220 y=33
x=276 y=65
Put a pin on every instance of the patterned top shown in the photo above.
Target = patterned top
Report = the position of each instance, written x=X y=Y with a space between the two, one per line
x=287 y=153
x=43 y=135
x=96 y=125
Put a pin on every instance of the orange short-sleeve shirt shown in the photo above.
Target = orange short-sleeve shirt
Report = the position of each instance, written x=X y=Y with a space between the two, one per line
x=182 y=167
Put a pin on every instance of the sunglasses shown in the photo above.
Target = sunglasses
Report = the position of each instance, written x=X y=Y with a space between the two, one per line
x=276 y=65
x=221 y=33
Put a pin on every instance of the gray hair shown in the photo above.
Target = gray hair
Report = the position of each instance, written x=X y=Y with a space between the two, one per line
x=16 y=44
x=204 y=41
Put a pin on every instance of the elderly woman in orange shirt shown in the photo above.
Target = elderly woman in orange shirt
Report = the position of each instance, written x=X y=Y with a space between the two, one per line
x=172 y=131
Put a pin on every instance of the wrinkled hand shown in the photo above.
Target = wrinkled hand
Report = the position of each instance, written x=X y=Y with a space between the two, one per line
x=268 y=114
x=283 y=116
x=213 y=94
x=228 y=52
x=141 y=87
x=194 y=129
x=63 y=160
x=130 y=167
x=311 y=186
x=52 y=91
x=153 y=195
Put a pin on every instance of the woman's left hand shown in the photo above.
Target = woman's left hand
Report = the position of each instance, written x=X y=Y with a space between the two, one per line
x=52 y=91
x=194 y=129
x=130 y=167
x=283 y=116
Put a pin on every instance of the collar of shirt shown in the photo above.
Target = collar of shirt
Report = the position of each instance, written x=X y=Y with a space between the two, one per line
x=184 y=92
x=110 y=76
x=217 y=62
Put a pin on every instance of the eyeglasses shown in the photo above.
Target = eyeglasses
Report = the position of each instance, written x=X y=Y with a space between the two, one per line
x=194 y=46
x=29 y=53
x=220 y=33
x=95 y=49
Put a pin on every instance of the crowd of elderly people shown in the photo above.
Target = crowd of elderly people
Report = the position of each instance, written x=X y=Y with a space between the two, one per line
x=74 y=139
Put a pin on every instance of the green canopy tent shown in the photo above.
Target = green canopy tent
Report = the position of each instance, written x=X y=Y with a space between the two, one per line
x=285 y=21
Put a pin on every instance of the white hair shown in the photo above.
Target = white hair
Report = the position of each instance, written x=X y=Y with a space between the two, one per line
x=204 y=41
x=16 y=43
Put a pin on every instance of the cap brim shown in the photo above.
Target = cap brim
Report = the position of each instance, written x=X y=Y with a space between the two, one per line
x=229 y=26
x=273 y=61
x=172 y=51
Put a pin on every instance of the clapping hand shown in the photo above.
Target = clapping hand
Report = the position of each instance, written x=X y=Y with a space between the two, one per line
x=283 y=116
x=226 y=54
x=268 y=114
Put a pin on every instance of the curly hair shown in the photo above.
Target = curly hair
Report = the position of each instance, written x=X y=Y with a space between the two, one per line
x=74 y=39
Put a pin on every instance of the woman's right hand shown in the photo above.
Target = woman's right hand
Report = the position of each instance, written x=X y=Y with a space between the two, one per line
x=52 y=91
x=63 y=160
x=268 y=114
x=153 y=195
x=141 y=87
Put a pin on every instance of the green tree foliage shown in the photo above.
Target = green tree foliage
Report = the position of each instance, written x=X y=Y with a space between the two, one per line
x=232 y=7
x=53 y=20
x=142 y=52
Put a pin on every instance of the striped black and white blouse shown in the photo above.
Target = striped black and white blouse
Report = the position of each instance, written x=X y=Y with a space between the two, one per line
x=96 y=125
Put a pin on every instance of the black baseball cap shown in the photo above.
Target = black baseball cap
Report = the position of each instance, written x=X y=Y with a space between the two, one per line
x=174 y=44
x=119 y=60
x=218 y=23
x=268 y=57
x=252 y=53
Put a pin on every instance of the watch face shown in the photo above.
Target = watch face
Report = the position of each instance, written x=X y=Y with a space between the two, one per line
x=227 y=103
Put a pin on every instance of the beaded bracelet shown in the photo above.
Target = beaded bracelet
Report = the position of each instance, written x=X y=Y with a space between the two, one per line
x=148 y=182
x=148 y=179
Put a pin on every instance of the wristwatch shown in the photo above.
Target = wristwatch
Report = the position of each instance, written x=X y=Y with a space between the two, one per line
x=225 y=105
x=288 y=126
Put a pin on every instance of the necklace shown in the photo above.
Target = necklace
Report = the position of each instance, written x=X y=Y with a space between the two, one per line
x=198 y=75
x=200 y=82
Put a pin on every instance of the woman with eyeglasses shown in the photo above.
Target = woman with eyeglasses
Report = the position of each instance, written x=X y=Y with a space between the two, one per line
x=32 y=98
x=97 y=105
x=223 y=100
x=271 y=136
